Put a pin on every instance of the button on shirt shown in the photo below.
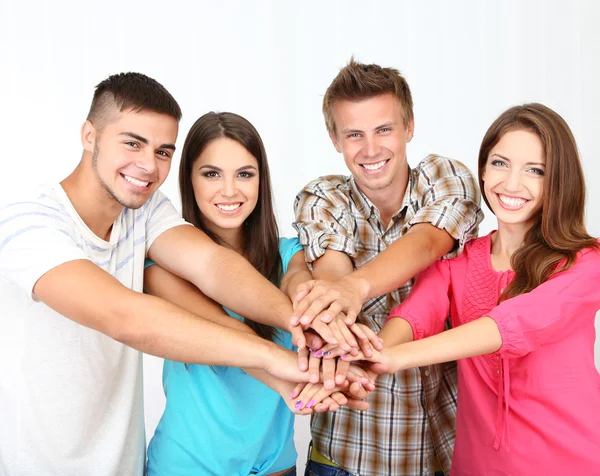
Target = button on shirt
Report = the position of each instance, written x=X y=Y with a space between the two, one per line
x=412 y=414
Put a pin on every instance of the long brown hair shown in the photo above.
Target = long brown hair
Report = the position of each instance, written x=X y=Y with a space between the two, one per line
x=261 y=235
x=559 y=233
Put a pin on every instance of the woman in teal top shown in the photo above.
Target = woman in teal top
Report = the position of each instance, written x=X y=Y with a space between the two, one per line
x=220 y=420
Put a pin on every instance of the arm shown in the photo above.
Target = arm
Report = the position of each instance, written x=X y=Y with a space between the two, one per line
x=86 y=294
x=296 y=274
x=189 y=253
x=448 y=216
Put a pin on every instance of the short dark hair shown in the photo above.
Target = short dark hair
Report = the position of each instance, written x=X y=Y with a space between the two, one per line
x=134 y=91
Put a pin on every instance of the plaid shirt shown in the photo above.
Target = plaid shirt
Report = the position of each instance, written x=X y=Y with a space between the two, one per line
x=412 y=414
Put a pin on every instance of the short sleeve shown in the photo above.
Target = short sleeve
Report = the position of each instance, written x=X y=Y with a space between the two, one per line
x=427 y=306
x=288 y=247
x=567 y=301
x=33 y=240
x=448 y=198
x=323 y=219
x=161 y=216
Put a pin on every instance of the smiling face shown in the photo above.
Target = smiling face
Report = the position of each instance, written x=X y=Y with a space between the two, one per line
x=514 y=178
x=372 y=137
x=225 y=178
x=131 y=154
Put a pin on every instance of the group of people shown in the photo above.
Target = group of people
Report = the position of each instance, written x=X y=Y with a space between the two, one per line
x=256 y=328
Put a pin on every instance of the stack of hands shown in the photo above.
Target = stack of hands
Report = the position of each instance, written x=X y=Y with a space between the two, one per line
x=342 y=358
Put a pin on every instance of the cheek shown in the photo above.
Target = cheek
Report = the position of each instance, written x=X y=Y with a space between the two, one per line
x=203 y=196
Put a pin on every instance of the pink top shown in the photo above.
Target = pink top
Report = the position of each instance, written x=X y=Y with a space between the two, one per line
x=533 y=407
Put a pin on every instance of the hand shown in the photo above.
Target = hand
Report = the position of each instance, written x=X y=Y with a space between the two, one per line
x=283 y=364
x=317 y=397
x=326 y=299
x=336 y=372
x=313 y=343
x=386 y=361
x=351 y=337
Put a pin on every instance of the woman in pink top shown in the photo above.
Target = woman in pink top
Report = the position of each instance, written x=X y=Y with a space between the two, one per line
x=522 y=303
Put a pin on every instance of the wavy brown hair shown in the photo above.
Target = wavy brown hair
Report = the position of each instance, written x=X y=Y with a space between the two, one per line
x=261 y=235
x=558 y=233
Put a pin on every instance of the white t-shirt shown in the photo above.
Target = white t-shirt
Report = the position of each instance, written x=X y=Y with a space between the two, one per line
x=71 y=400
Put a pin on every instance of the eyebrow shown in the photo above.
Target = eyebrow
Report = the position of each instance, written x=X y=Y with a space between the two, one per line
x=526 y=163
x=143 y=140
x=219 y=169
x=386 y=124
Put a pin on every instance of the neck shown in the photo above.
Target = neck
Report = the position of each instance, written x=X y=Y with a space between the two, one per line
x=232 y=237
x=507 y=240
x=388 y=200
x=93 y=203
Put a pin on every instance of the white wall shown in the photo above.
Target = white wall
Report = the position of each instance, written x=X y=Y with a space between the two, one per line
x=466 y=62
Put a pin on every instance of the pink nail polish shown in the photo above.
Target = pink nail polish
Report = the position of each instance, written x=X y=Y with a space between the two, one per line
x=310 y=404
x=298 y=405
x=345 y=356
x=317 y=353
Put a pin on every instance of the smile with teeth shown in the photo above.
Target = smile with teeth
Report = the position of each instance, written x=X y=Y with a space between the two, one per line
x=375 y=166
x=513 y=202
x=229 y=207
x=136 y=182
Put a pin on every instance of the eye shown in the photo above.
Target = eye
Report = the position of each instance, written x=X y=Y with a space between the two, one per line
x=537 y=171
x=131 y=143
x=353 y=135
x=164 y=154
x=246 y=174
x=385 y=129
x=210 y=174
x=498 y=163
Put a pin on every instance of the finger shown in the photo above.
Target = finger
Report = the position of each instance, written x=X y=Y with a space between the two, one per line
x=331 y=313
x=357 y=391
x=374 y=339
x=324 y=331
x=308 y=395
x=358 y=404
x=332 y=405
x=298 y=389
x=335 y=327
x=305 y=295
x=321 y=301
x=340 y=371
x=313 y=341
x=298 y=337
x=339 y=398
x=348 y=335
x=352 y=313
x=328 y=373
x=363 y=341
x=303 y=355
x=314 y=365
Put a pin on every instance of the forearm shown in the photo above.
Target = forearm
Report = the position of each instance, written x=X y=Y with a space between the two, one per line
x=402 y=261
x=396 y=331
x=477 y=337
x=255 y=297
x=291 y=283
x=156 y=327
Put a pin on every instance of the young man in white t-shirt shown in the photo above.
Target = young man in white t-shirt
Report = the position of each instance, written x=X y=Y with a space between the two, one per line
x=72 y=314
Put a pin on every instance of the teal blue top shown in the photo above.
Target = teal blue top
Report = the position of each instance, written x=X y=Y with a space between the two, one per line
x=221 y=421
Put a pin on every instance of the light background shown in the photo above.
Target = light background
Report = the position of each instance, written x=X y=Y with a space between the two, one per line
x=466 y=62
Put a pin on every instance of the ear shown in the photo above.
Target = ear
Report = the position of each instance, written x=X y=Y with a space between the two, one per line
x=335 y=141
x=410 y=130
x=88 y=136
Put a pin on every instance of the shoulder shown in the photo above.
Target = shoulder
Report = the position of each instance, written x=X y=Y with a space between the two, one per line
x=329 y=187
x=436 y=166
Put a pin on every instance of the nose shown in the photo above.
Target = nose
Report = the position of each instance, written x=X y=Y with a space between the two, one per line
x=513 y=181
x=229 y=188
x=146 y=161
x=371 y=148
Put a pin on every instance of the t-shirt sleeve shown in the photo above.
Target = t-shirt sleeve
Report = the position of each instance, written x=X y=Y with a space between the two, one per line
x=323 y=220
x=288 y=247
x=161 y=216
x=449 y=199
x=427 y=306
x=567 y=301
x=34 y=239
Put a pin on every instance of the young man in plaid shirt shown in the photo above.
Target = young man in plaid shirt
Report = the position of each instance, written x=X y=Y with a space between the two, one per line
x=366 y=236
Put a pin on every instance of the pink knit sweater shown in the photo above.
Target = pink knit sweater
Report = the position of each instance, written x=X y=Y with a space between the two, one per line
x=533 y=407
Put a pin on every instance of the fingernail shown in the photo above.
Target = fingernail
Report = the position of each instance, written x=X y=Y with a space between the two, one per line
x=327 y=354
x=292 y=395
x=310 y=349
x=310 y=404
x=318 y=353
x=345 y=356
x=298 y=404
